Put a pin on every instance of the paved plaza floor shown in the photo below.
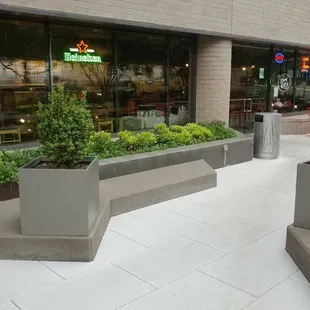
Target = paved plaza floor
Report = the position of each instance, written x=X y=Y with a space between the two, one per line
x=220 y=249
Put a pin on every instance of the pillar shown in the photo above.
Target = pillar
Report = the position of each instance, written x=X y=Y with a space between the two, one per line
x=213 y=79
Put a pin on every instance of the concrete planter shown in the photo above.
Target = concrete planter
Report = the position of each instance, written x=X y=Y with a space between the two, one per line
x=302 y=199
x=238 y=150
x=58 y=201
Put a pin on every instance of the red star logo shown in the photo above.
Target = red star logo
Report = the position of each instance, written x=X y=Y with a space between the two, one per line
x=82 y=47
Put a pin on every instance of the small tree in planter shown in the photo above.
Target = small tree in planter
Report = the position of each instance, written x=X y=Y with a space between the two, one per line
x=59 y=194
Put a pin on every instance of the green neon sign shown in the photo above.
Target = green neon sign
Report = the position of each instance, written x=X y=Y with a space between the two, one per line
x=75 y=57
x=82 y=54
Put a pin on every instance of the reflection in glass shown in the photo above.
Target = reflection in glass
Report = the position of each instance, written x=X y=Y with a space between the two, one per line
x=23 y=78
x=249 y=79
x=142 y=89
x=282 y=76
x=302 y=95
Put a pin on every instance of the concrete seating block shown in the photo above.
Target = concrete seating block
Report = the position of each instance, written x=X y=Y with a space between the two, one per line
x=298 y=246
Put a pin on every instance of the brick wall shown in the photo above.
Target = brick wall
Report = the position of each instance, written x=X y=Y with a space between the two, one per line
x=279 y=20
x=213 y=79
x=276 y=20
x=214 y=15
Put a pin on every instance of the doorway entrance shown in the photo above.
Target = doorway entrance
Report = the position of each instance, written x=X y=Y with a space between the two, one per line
x=249 y=85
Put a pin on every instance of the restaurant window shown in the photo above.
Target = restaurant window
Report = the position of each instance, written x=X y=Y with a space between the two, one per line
x=180 y=75
x=24 y=78
x=302 y=94
x=282 y=80
x=249 y=84
x=83 y=62
x=142 y=84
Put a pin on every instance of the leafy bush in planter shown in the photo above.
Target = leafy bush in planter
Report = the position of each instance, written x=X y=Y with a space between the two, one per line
x=10 y=161
x=219 y=130
x=103 y=146
x=64 y=127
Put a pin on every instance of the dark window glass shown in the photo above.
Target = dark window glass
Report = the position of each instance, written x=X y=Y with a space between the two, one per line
x=282 y=75
x=180 y=73
x=302 y=95
x=23 y=78
x=249 y=80
x=83 y=61
x=142 y=86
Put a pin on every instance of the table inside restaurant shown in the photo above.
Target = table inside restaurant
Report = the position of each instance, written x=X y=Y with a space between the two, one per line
x=135 y=123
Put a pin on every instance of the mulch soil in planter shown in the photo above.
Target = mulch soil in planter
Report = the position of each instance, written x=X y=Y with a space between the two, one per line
x=8 y=191
x=51 y=165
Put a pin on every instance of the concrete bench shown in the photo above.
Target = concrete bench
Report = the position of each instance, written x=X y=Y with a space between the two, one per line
x=117 y=195
x=141 y=189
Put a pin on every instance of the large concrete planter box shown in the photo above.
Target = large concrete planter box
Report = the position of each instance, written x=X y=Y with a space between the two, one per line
x=58 y=201
x=238 y=150
x=302 y=199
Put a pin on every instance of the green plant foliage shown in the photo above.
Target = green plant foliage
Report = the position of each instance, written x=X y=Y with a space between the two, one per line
x=145 y=140
x=128 y=140
x=10 y=161
x=219 y=130
x=99 y=141
x=64 y=127
x=8 y=170
x=176 y=128
x=199 y=133
x=101 y=144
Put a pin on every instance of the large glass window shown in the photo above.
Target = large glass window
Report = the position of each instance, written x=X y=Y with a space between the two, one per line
x=249 y=81
x=142 y=86
x=302 y=94
x=24 y=78
x=282 y=80
x=83 y=61
x=133 y=81
x=180 y=74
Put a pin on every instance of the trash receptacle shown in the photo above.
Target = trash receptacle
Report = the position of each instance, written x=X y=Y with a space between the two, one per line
x=267 y=134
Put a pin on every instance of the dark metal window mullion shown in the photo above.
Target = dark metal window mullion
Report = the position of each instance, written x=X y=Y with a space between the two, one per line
x=115 y=71
x=167 y=80
x=294 y=78
x=269 y=82
x=49 y=56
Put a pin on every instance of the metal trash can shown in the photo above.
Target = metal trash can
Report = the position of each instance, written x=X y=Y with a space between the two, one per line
x=267 y=134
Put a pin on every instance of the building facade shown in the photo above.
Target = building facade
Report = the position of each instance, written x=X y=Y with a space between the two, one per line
x=145 y=62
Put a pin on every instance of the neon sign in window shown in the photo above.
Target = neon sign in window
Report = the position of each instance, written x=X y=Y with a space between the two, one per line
x=82 y=53
x=305 y=66
x=279 y=58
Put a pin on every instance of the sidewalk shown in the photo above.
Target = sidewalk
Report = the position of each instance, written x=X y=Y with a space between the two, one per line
x=221 y=249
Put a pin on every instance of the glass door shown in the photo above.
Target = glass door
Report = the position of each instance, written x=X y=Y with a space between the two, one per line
x=282 y=77
x=249 y=82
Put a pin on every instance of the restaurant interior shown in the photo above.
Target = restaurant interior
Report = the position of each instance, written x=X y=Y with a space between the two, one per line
x=135 y=81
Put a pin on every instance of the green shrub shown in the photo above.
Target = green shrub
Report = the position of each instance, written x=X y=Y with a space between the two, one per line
x=128 y=140
x=10 y=161
x=181 y=138
x=145 y=140
x=219 y=130
x=102 y=146
x=64 y=127
x=198 y=132
x=8 y=170
x=176 y=128
x=99 y=142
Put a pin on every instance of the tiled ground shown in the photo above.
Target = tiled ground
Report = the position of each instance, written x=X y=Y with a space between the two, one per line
x=221 y=249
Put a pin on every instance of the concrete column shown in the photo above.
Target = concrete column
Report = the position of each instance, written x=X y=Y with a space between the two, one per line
x=213 y=79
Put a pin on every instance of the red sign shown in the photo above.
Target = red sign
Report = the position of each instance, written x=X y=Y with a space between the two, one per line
x=279 y=58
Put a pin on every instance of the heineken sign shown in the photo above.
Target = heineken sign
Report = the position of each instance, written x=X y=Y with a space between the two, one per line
x=82 y=54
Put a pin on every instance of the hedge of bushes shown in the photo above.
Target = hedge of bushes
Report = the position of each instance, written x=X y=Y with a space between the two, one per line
x=103 y=146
